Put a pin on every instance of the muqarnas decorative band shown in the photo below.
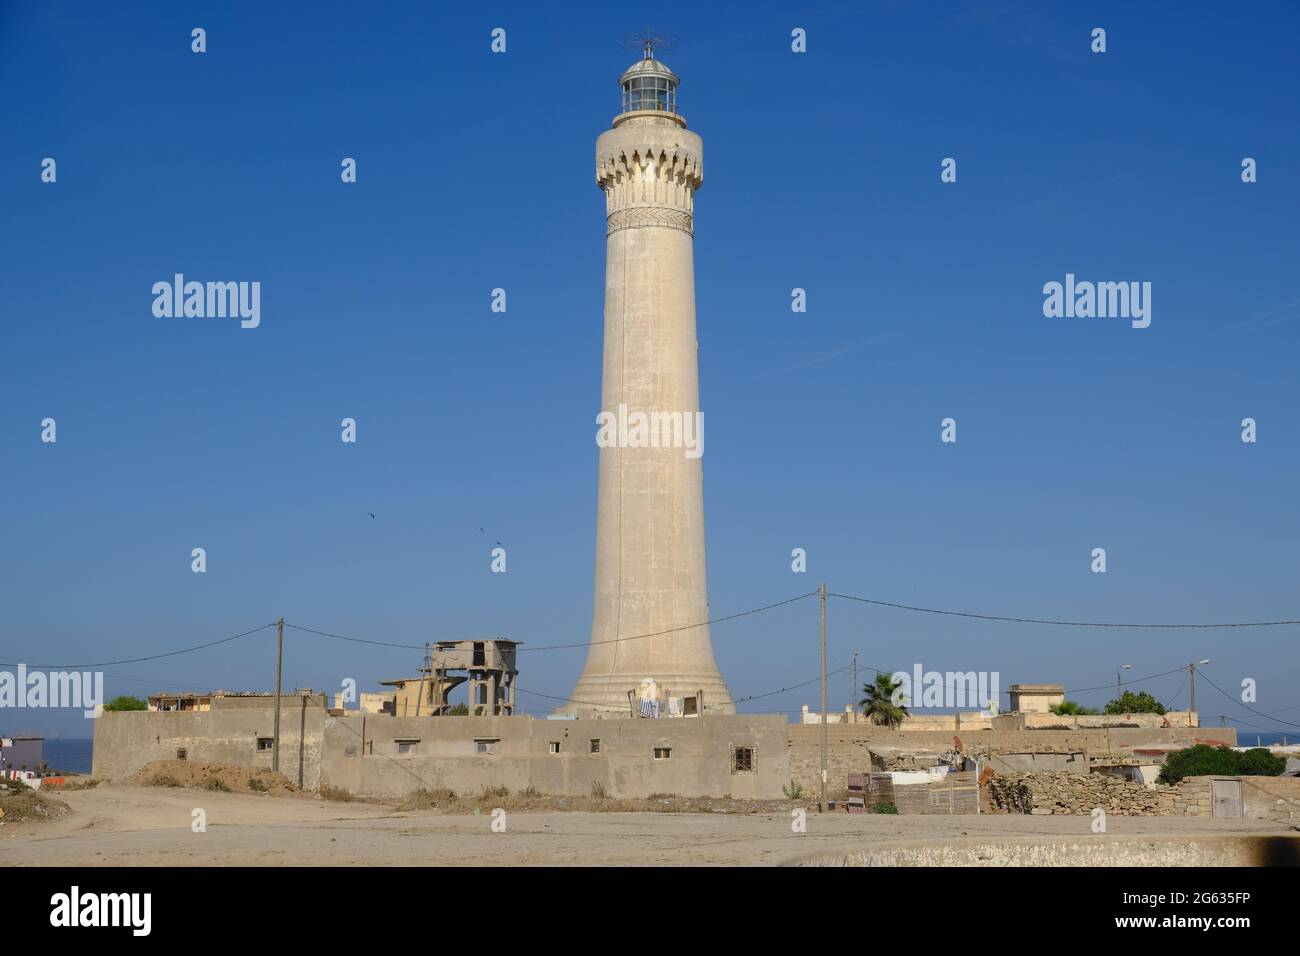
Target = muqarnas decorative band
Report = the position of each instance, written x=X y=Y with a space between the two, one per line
x=636 y=217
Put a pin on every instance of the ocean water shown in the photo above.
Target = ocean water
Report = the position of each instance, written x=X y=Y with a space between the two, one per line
x=68 y=754
x=1246 y=738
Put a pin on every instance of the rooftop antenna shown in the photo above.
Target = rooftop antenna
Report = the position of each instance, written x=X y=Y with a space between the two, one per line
x=648 y=41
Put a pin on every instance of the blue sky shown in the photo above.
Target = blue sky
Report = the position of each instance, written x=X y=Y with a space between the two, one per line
x=821 y=172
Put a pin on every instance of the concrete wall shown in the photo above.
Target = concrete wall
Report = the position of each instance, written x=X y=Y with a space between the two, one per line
x=127 y=740
x=1034 y=761
x=364 y=754
x=445 y=755
x=1173 y=718
x=970 y=721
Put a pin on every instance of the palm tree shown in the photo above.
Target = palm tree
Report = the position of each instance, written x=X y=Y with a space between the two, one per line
x=878 y=704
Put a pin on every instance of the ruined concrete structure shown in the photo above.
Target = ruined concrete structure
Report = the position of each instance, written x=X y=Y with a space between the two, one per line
x=488 y=665
x=650 y=567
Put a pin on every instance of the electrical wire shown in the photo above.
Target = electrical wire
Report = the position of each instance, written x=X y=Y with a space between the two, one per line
x=151 y=657
x=1034 y=620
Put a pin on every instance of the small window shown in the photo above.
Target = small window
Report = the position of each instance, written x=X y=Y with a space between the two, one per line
x=742 y=760
x=181 y=753
x=486 y=745
x=663 y=753
x=595 y=745
x=554 y=746
x=406 y=745
x=265 y=743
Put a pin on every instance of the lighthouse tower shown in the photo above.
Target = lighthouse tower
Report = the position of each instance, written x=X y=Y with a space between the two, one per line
x=651 y=587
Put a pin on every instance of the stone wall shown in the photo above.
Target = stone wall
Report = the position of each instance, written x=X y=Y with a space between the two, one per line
x=1271 y=798
x=1072 y=793
x=848 y=743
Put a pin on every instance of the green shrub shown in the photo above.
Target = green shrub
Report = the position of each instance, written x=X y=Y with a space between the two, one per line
x=257 y=786
x=217 y=785
x=793 y=791
x=1070 y=708
x=126 y=702
x=1259 y=762
x=1202 y=760
x=1131 y=703
x=882 y=807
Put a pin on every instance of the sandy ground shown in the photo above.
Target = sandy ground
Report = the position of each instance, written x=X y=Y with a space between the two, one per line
x=123 y=824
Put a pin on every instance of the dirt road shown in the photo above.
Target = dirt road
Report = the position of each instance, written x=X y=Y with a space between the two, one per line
x=119 y=824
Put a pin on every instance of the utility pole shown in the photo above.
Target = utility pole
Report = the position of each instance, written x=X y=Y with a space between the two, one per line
x=853 y=700
x=1119 y=683
x=1191 y=683
x=821 y=594
x=279 y=658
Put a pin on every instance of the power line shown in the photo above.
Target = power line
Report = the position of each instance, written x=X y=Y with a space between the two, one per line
x=671 y=630
x=773 y=693
x=1241 y=723
x=1033 y=620
x=1258 y=713
x=152 y=657
x=354 y=640
x=566 y=700
x=1135 y=680
x=738 y=700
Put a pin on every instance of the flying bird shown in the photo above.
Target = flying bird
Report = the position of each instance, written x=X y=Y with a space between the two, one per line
x=371 y=513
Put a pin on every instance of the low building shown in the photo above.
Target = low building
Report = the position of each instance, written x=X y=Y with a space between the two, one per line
x=22 y=753
x=218 y=699
x=186 y=700
x=1035 y=698
x=740 y=756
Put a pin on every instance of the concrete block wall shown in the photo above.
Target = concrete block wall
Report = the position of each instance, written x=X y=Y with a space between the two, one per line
x=367 y=759
x=385 y=756
x=125 y=741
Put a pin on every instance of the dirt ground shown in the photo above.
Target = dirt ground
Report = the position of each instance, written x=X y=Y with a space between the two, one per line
x=129 y=824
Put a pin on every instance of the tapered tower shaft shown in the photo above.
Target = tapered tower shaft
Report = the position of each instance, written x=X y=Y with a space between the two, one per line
x=651 y=581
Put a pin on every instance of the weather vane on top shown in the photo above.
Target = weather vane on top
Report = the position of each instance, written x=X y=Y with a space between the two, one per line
x=649 y=41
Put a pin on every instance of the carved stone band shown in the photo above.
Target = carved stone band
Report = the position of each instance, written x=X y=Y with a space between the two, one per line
x=636 y=217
